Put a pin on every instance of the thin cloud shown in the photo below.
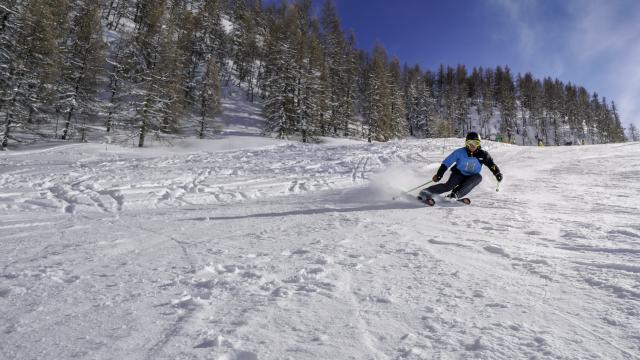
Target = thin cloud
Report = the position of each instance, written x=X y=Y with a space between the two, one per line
x=592 y=43
x=605 y=36
x=523 y=29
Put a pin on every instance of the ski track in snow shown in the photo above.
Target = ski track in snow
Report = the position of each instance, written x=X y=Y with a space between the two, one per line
x=296 y=251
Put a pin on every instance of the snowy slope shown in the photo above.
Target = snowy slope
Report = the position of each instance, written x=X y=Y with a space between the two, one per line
x=245 y=249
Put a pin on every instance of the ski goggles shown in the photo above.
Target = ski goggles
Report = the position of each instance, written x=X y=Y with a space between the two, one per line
x=475 y=143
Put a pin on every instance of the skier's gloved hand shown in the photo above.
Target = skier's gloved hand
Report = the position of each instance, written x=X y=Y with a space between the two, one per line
x=499 y=177
x=436 y=178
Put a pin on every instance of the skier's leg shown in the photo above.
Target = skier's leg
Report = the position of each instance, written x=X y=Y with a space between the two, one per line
x=454 y=179
x=467 y=185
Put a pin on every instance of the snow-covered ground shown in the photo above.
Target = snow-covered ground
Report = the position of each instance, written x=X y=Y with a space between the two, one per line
x=250 y=248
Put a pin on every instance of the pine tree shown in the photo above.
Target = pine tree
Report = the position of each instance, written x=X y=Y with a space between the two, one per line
x=615 y=126
x=10 y=66
x=333 y=38
x=447 y=101
x=209 y=95
x=399 y=125
x=505 y=95
x=114 y=12
x=487 y=104
x=281 y=78
x=411 y=78
x=340 y=70
x=583 y=113
x=634 y=135
x=427 y=113
x=83 y=63
x=244 y=41
x=594 y=119
x=347 y=104
x=379 y=114
x=310 y=94
x=32 y=60
x=461 y=101
x=169 y=78
x=116 y=70
x=142 y=59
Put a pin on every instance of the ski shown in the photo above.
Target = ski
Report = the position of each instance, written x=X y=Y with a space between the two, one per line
x=427 y=201
x=432 y=202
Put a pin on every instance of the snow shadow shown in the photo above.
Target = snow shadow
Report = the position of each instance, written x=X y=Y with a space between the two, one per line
x=386 y=190
x=394 y=205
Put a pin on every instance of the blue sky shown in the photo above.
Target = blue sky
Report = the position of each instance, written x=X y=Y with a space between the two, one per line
x=592 y=43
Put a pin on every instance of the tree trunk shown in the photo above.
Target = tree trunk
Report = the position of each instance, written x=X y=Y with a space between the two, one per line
x=203 y=113
x=5 y=135
x=144 y=125
x=143 y=130
x=67 y=124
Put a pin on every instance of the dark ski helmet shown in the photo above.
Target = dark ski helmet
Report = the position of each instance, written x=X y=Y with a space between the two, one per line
x=472 y=135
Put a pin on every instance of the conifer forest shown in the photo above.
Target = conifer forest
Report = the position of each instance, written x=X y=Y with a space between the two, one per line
x=81 y=70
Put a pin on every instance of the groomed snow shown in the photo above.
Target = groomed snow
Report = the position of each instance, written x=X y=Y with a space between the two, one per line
x=251 y=248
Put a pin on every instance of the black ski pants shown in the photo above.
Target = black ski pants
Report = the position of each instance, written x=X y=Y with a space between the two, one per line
x=458 y=183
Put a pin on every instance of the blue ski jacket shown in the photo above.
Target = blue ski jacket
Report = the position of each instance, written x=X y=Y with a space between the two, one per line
x=468 y=163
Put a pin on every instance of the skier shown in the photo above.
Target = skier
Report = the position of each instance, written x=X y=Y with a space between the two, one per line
x=465 y=175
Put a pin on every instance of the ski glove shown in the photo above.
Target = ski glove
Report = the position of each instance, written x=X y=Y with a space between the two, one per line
x=440 y=173
x=499 y=177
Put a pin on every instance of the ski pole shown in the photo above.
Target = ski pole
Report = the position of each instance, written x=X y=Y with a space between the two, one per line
x=415 y=188
x=419 y=186
x=498 y=186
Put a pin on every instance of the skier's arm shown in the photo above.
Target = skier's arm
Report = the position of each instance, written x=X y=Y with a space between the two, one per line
x=443 y=168
x=493 y=167
x=446 y=163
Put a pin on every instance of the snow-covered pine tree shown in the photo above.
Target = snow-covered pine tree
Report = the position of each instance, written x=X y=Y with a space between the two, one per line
x=308 y=64
x=398 y=125
x=114 y=11
x=633 y=133
x=583 y=114
x=281 y=77
x=244 y=40
x=446 y=101
x=348 y=85
x=410 y=80
x=212 y=38
x=506 y=101
x=333 y=39
x=378 y=115
x=118 y=84
x=10 y=66
x=427 y=116
x=310 y=92
x=571 y=113
x=324 y=98
x=603 y=121
x=487 y=106
x=168 y=76
x=209 y=94
x=142 y=58
x=526 y=94
x=461 y=101
x=83 y=63
x=33 y=61
x=616 y=129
